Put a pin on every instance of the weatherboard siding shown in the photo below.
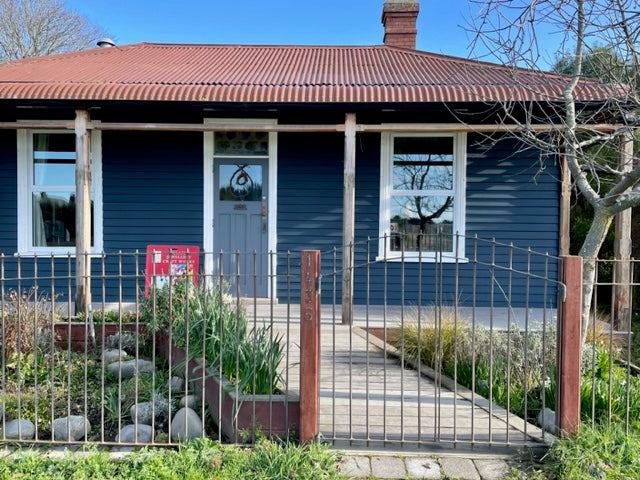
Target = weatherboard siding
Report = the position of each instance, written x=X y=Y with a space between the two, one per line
x=153 y=191
x=508 y=199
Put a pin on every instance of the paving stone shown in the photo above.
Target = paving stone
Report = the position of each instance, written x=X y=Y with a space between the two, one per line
x=427 y=468
x=459 y=467
x=492 y=469
x=388 y=467
x=356 y=467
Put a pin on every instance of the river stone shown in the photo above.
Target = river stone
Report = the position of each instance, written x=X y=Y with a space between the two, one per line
x=176 y=384
x=186 y=424
x=547 y=420
x=189 y=401
x=71 y=428
x=19 y=430
x=128 y=434
x=111 y=355
x=129 y=368
x=142 y=413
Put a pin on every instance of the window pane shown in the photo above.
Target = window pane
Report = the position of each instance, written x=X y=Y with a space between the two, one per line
x=53 y=159
x=54 y=219
x=241 y=182
x=242 y=143
x=423 y=163
x=422 y=223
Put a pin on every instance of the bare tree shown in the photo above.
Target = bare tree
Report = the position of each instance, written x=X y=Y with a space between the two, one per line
x=510 y=31
x=30 y=28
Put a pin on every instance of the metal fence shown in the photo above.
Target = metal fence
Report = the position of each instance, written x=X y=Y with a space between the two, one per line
x=610 y=384
x=157 y=358
x=466 y=358
x=457 y=351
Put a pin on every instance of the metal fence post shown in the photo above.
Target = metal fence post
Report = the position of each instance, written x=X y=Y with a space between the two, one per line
x=309 y=343
x=569 y=347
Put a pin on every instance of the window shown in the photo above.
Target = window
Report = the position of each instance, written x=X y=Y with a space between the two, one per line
x=422 y=195
x=46 y=192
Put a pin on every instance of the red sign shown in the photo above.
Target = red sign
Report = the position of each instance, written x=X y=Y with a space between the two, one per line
x=170 y=261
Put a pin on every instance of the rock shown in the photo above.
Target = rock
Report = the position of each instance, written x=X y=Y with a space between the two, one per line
x=176 y=384
x=126 y=341
x=547 y=420
x=142 y=413
x=111 y=355
x=190 y=401
x=186 y=424
x=19 y=430
x=135 y=434
x=129 y=368
x=73 y=428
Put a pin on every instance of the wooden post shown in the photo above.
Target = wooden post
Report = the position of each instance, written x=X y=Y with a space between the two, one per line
x=348 y=216
x=309 y=343
x=569 y=347
x=83 y=212
x=622 y=248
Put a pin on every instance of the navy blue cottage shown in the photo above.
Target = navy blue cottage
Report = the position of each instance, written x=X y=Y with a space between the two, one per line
x=398 y=158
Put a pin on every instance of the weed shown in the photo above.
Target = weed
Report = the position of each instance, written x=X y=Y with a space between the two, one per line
x=26 y=318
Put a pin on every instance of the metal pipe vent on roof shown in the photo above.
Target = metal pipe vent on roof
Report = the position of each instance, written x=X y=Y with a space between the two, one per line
x=105 y=42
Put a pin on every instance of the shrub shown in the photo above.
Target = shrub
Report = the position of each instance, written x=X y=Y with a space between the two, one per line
x=205 y=322
x=26 y=321
x=493 y=359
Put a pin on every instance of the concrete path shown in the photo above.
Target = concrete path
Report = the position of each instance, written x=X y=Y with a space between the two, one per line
x=385 y=465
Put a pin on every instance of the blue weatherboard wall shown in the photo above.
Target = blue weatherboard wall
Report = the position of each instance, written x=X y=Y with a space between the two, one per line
x=506 y=200
x=8 y=192
x=153 y=193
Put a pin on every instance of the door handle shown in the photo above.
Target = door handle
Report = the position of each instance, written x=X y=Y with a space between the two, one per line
x=264 y=214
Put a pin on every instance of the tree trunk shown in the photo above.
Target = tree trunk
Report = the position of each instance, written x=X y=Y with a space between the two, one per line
x=589 y=252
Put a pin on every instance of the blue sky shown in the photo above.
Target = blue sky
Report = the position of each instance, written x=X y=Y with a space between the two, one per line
x=321 y=22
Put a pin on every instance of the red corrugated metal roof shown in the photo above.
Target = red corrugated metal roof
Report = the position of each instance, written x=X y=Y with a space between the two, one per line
x=282 y=74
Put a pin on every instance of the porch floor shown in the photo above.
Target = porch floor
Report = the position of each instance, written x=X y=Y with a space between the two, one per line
x=368 y=399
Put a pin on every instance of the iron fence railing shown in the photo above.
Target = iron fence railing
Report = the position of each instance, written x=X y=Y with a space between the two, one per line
x=159 y=356
x=456 y=349
x=465 y=357
x=610 y=386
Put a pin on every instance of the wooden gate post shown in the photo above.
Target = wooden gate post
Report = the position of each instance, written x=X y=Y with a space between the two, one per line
x=309 y=343
x=569 y=347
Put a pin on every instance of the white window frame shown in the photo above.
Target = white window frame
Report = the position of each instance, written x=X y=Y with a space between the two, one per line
x=25 y=198
x=459 y=194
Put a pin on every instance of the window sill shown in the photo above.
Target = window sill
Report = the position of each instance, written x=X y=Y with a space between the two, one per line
x=55 y=254
x=424 y=259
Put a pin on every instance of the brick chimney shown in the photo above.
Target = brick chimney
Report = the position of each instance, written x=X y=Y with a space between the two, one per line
x=399 y=20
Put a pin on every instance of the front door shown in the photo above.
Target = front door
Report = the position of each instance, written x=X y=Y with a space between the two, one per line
x=240 y=223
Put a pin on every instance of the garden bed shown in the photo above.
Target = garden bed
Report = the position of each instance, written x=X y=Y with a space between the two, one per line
x=241 y=416
x=74 y=333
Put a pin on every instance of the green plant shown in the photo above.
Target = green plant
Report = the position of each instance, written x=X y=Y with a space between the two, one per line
x=109 y=316
x=604 y=451
x=514 y=368
x=207 y=324
x=198 y=459
x=607 y=392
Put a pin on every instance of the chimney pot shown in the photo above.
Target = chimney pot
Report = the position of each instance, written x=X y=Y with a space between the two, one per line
x=399 y=20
